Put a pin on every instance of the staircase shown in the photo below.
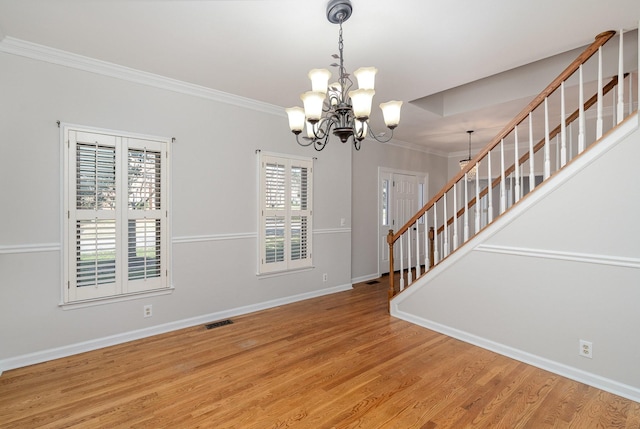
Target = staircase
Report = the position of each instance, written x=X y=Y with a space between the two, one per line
x=523 y=156
x=540 y=250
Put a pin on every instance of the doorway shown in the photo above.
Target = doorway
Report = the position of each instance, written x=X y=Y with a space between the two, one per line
x=400 y=195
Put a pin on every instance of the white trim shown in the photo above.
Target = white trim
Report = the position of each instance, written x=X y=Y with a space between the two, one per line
x=85 y=346
x=325 y=231
x=214 y=237
x=270 y=274
x=116 y=298
x=56 y=247
x=619 y=261
x=30 y=248
x=572 y=373
x=366 y=278
x=11 y=45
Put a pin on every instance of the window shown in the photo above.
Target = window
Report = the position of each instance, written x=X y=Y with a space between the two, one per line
x=285 y=212
x=116 y=212
x=385 y=202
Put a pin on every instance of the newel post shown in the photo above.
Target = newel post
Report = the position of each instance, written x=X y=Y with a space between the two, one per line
x=391 y=271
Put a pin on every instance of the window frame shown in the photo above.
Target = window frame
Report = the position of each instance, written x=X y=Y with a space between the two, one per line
x=288 y=212
x=151 y=156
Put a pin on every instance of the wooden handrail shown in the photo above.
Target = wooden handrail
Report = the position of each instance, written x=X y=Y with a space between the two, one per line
x=600 y=40
x=587 y=105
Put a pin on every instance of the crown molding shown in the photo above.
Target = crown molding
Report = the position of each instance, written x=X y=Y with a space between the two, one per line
x=14 y=46
x=11 y=45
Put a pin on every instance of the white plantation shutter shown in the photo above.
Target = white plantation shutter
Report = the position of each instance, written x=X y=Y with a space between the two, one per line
x=115 y=203
x=145 y=217
x=274 y=213
x=300 y=213
x=95 y=252
x=285 y=213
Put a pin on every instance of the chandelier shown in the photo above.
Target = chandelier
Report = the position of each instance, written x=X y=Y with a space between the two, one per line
x=471 y=174
x=335 y=108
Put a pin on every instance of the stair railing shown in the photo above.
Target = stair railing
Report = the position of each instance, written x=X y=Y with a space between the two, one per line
x=511 y=184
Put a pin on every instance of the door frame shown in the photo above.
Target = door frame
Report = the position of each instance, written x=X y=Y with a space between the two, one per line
x=384 y=172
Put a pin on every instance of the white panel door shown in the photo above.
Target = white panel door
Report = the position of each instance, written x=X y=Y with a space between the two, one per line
x=400 y=198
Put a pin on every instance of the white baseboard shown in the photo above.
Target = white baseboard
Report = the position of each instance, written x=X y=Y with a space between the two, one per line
x=365 y=278
x=558 y=368
x=98 y=343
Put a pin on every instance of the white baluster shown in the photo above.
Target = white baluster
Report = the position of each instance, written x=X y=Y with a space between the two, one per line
x=436 y=254
x=581 y=119
x=426 y=243
x=599 y=102
x=489 y=189
x=557 y=152
x=477 y=212
x=465 y=218
x=521 y=182
x=563 y=128
x=445 y=231
x=570 y=142
x=630 y=95
x=547 y=156
x=621 y=80
x=614 y=107
x=532 y=174
x=401 y=265
x=503 y=191
x=455 y=217
x=516 y=173
x=417 y=250
x=409 y=278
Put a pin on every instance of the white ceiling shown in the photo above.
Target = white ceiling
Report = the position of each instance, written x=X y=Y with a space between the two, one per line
x=263 y=49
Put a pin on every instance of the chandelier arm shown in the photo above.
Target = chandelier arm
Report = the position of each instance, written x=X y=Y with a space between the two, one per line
x=381 y=139
x=318 y=145
x=303 y=143
x=321 y=129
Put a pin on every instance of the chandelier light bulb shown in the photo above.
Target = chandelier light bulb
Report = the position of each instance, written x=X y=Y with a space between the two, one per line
x=312 y=105
x=319 y=80
x=366 y=77
x=361 y=100
x=391 y=113
x=296 y=118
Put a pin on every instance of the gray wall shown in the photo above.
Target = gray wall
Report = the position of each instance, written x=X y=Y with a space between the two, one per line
x=214 y=197
x=565 y=267
x=364 y=205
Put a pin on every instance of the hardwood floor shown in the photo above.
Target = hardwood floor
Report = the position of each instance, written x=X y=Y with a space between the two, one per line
x=338 y=361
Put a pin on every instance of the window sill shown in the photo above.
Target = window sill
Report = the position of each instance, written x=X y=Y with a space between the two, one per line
x=112 y=299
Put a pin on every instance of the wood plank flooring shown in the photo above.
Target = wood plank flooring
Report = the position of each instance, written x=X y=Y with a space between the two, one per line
x=338 y=361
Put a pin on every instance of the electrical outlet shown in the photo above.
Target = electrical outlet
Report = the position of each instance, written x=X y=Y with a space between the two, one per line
x=586 y=349
x=324 y=277
x=148 y=310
